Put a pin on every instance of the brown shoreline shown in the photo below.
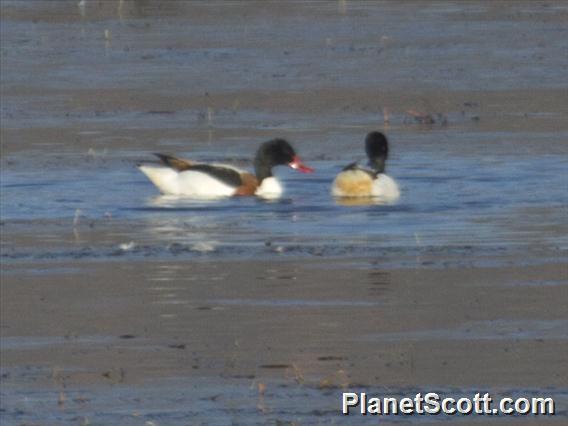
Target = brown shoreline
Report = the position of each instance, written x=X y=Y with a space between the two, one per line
x=408 y=327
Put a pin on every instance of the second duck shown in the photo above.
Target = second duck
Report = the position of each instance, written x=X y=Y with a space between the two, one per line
x=357 y=181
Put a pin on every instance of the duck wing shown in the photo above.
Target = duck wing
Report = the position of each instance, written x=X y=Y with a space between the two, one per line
x=173 y=162
x=227 y=175
x=352 y=166
x=355 y=166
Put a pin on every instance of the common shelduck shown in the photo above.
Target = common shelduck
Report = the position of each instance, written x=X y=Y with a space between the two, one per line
x=176 y=176
x=357 y=181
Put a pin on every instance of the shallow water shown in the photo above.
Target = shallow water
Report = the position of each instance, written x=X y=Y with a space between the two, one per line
x=492 y=203
x=224 y=402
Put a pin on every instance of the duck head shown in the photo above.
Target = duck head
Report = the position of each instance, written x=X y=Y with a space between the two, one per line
x=277 y=152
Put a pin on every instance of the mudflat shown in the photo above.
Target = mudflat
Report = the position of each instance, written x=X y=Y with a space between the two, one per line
x=78 y=334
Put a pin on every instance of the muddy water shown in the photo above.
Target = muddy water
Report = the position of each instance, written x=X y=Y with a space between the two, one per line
x=473 y=96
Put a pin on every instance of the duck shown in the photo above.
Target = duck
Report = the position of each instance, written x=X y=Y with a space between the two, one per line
x=355 y=181
x=182 y=177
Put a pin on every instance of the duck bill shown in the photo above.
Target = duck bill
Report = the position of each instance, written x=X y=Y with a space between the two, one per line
x=297 y=164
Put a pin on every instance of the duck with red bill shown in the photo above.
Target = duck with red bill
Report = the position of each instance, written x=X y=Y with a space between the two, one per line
x=297 y=164
x=176 y=176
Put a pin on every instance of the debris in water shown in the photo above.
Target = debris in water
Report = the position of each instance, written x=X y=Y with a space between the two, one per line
x=204 y=247
x=77 y=217
x=127 y=246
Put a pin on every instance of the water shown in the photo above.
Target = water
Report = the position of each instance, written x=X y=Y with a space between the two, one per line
x=448 y=200
x=89 y=89
x=177 y=401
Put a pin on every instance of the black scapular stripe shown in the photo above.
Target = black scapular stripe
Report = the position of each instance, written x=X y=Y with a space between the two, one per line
x=352 y=166
x=224 y=174
x=356 y=166
x=174 y=162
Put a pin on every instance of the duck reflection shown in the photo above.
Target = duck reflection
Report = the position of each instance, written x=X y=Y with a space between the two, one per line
x=199 y=225
x=362 y=201
x=176 y=201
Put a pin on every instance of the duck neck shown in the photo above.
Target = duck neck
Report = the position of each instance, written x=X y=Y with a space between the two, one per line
x=378 y=164
x=262 y=170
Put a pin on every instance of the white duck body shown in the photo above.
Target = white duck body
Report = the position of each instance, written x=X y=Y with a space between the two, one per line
x=385 y=187
x=187 y=183
x=270 y=188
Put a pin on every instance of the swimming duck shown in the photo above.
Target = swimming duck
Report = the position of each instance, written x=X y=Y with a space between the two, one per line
x=176 y=176
x=357 y=181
